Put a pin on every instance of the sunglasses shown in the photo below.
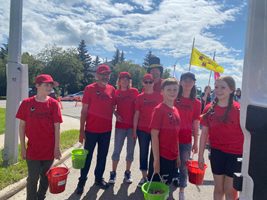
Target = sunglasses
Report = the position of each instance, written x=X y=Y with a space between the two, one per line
x=148 y=82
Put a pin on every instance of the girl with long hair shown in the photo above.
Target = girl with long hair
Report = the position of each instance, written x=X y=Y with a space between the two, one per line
x=220 y=122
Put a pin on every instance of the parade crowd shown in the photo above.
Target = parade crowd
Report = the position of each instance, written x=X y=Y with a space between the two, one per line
x=167 y=119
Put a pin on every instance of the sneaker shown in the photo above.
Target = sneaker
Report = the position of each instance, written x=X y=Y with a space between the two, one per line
x=79 y=190
x=128 y=177
x=102 y=184
x=175 y=182
x=141 y=182
x=181 y=196
x=112 y=177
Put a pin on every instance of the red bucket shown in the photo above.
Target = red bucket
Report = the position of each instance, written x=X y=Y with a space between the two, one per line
x=57 y=178
x=196 y=175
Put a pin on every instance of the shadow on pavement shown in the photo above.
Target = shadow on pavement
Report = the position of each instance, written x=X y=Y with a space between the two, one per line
x=208 y=182
x=74 y=196
x=92 y=193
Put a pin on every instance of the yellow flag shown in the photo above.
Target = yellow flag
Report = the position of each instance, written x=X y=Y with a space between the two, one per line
x=201 y=60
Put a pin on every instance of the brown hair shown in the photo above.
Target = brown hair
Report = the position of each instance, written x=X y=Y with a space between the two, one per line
x=231 y=84
x=169 y=81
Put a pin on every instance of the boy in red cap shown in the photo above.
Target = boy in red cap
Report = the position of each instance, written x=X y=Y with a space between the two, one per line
x=40 y=119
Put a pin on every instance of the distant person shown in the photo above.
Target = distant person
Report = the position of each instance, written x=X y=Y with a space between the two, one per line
x=238 y=95
x=221 y=123
x=165 y=125
x=205 y=97
x=189 y=108
x=40 y=119
x=156 y=70
x=144 y=105
x=125 y=97
x=96 y=123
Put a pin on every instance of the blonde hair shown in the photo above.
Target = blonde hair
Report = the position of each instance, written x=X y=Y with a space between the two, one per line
x=118 y=86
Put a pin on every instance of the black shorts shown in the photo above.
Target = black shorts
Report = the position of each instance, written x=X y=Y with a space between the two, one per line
x=224 y=163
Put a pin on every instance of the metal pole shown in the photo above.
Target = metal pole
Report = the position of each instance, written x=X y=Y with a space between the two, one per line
x=193 y=45
x=14 y=77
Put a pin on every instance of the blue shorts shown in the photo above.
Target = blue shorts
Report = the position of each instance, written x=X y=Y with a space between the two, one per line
x=224 y=163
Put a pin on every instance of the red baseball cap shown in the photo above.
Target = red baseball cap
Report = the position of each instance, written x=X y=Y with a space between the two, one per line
x=45 y=78
x=125 y=75
x=148 y=77
x=102 y=69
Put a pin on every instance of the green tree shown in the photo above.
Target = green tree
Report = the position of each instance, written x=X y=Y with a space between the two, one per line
x=96 y=62
x=135 y=70
x=66 y=68
x=122 y=58
x=116 y=58
x=166 y=73
x=35 y=66
x=86 y=60
x=3 y=62
x=147 y=58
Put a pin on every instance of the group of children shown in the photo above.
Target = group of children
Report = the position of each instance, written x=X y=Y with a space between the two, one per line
x=167 y=117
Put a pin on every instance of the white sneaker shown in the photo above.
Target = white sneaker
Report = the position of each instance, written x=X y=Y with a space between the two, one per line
x=181 y=196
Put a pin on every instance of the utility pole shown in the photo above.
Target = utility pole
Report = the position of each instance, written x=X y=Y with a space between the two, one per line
x=17 y=82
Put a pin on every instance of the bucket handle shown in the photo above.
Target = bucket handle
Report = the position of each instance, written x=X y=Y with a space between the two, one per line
x=161 y=180
x=54 y=166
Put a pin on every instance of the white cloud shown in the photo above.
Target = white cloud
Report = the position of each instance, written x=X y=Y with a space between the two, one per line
x=167 y=27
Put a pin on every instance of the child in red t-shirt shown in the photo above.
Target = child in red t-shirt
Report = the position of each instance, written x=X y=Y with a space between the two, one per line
x=189 y=108
x=40 y=119
x=165 y=125
x=220 y=122
x=144 y=105
x=125 y=97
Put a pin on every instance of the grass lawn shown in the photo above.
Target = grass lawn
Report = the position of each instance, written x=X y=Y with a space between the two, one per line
x=2 y=120
x=14 y=173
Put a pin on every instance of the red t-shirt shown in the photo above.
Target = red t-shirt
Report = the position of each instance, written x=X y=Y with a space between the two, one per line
x=228 y=136
x=40 y=118
x=145 y=103
x=189 y=111
x=167 y=121
x=101 y=101
x=125 y=107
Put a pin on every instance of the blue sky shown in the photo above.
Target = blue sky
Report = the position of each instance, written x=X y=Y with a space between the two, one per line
x=166 y=27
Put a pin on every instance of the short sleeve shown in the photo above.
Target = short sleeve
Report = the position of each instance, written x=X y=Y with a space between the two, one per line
x=204 y=121
x=197 y=110
x=156 y=119
x=87 y=95
x=57 y=117
x=22 y=114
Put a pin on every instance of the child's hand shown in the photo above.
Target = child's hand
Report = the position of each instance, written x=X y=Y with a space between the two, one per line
x=201 y=162
x=57 y=153
x=23 y=153
x=82 y=136
x=134 y=135
x=195 y=148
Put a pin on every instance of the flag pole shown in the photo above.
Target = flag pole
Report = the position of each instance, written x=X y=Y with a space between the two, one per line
x=210 y=77
x=193 y=45
x=210 y=70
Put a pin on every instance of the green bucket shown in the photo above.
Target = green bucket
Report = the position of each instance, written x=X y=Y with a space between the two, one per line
x=78 y=157
x=155 y=191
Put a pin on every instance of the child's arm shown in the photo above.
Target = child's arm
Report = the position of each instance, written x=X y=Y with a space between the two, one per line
x=155 y=149
x=22 y=138
x=57 y=153
x=202 y=144
x=82 y=121
x=195 y=135
x=135 y=122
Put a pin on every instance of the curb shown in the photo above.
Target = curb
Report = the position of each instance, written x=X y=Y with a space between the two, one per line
x=11 y=190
